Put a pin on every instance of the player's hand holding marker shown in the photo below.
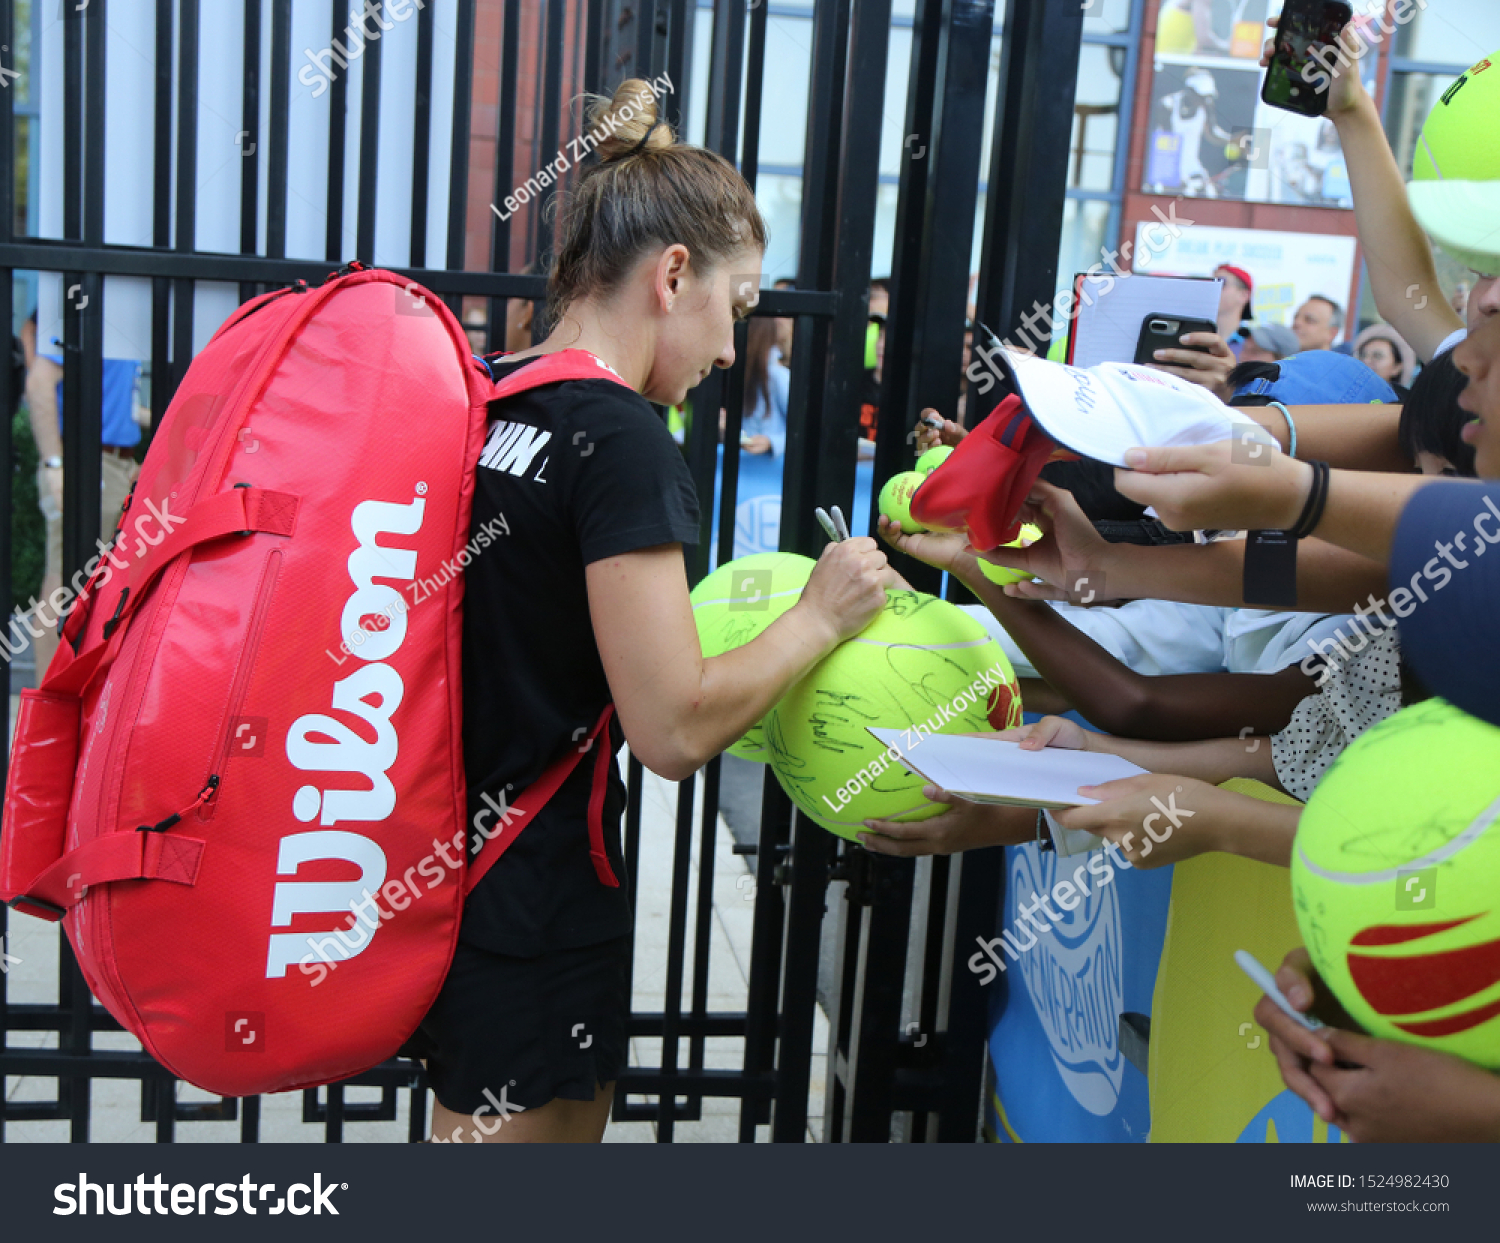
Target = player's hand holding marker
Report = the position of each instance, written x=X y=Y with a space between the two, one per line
x=847 y=587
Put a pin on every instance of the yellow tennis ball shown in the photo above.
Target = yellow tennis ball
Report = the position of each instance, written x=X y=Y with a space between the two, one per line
x=1231 y=152
x=895 y=500
x=736 y=602
x=1396 y=881
x=932 y=459
x=923 y=665
x=1457 y=141
x=998 y=573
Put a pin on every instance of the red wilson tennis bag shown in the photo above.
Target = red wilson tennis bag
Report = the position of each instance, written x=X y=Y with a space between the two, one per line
x=241 y=784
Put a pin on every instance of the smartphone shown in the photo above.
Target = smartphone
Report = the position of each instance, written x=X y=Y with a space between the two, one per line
x=1295 y=81
x=1162 y=332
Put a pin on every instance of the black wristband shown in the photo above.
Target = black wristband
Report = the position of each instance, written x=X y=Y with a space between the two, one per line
x=1270 y=576
x=1317 y=498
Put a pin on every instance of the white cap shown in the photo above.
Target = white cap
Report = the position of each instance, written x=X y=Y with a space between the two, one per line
x=1105 y=410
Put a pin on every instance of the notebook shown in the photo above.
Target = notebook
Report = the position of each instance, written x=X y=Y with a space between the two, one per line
x=1107 y=324
x=991 y=770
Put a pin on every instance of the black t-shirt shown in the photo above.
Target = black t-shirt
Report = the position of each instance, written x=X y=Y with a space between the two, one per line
x=572 y=473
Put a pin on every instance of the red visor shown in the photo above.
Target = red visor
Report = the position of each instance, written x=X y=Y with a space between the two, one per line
x=983 y=483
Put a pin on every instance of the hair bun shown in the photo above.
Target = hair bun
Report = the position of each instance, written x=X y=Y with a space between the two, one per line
x=628 y=123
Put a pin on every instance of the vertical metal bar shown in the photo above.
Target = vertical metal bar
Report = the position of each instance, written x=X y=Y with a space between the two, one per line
x=416 y=1131
x=596 y=13
x=505 y=146
x=702 y=457
x=634 y=782
x=278 y=155
x=906 y=266
x=734 y=414
x=848 y=922
x=83 y=372
x=725 y=62
x=551 y=109
x=72 y=157
x=421 y=147
x=645 y=39
x=855 y=191
x=165 y=1091
x=369 y=147
x=83 y=382
x=874 y=1037
x=1125 y=116
x=801 y=487
x=250 y=1120
x=928 y=980
x=671 y=1019
x=162 y=382
x=954 y=146
x=765 y=947
x=1028 y=174
x=338 y=135
x=458 y=162
x=8 y=400
x=677 y=28
x=250 y=143
x=333 y=1127
x=703 y=923
x=187 y=184
x=981 y=889
x=755 y=72
x=812 y=850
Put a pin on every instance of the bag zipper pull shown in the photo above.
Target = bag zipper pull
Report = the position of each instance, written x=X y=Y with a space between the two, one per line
x=210 y=787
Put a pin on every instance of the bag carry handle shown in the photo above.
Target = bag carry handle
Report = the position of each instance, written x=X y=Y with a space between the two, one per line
x=242 y=510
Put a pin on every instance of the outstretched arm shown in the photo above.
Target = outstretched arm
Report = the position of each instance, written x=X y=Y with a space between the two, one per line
x=1170 y=708
x=1397 y=252
x=1211 y=760
x=1329 y=579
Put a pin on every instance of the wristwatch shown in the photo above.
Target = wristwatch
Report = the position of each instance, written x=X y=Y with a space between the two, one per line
x=52 y=463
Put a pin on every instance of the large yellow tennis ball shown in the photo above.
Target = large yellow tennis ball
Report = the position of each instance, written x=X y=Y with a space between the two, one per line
x=1457 y=141
x=998 y=573
x=895 y=500
x=1396 y=880
x=932 y=459
x=736 y=602
x=923 y=665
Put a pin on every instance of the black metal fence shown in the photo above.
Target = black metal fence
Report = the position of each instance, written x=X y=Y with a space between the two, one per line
x=923 y=1083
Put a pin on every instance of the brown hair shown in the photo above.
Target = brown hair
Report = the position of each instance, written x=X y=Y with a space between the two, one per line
x=760 y=336
x=647 y=190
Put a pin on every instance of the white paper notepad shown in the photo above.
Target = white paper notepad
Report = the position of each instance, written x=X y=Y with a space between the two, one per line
x=1110 y=311
x=990 y=770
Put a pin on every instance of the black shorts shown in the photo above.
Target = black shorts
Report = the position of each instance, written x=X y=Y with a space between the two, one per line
x=527 y=1030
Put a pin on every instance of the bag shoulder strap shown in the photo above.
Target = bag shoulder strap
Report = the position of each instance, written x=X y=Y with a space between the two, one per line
x=552 y=369
x=513 y=817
